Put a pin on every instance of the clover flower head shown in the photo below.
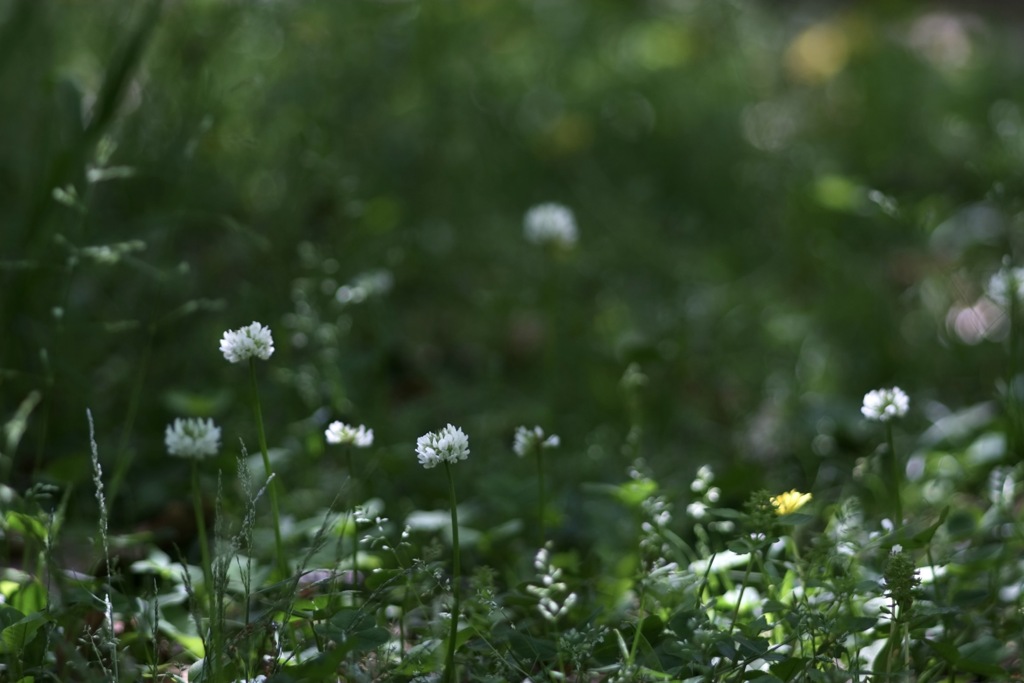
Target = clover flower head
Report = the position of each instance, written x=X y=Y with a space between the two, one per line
x=884 y=404
x=791 y=501
x=192 y=438
x=448 y=445
x=251 y=341
x=341 y=433
x=533 y=441
x=1003 y=282
x=550 y=223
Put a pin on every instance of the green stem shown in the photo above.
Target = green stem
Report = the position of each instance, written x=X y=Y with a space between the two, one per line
x=893 y=628
x=282 y=563
x=125 y=456
x=542 y=502
x=897 y=477
x=1012 y=402
x=449 y=664
x=355 y=524
x=204 y=549
x=739 y=598
x=635 y=646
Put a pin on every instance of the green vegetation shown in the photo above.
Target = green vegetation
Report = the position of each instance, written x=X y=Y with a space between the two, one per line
x=686 y=237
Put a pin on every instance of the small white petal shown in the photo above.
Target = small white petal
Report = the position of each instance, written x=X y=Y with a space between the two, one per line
x=192 y=438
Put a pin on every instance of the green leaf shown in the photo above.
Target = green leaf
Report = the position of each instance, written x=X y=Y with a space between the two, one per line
x=751 y=647
x=914 y=536
x=795 y=519
x=354 y=631
x=760 y=677
x=979 y=657
x=18 y=630
x=962 y=524
x=788 y=669
x=30 y=597
x=635 y=491
x=859 y=624
x=26 y=525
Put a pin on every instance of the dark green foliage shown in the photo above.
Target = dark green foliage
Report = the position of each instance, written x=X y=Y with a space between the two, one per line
x=779 y=208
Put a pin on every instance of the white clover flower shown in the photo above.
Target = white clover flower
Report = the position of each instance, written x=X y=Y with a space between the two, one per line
x=533 y=441
x=1004 y=281
x=192 y=438
x=252 y=341
x=550 y=223
x=341 y=433
x=884 y=404
x=365 y=285
x=449 y=445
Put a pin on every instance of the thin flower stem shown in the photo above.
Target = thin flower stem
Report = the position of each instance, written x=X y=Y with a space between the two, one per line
x=126 y=455
x=897 y=477
x=449 y=664
x=893 y=630
x=635 y=646
x=1012 y=400
x=204 y=548
x=541 y=501
x=279 y=546
x=355 y=524
x=743 y=589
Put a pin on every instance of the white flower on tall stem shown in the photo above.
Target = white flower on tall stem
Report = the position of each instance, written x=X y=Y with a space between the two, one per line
x=448 y=445
x=196 y=439
x=341 y=433
x=350 y=437
x=882 y=405
x=192 y=438
x=528 y=440
x=533 y=441
x=550 y=223
x=251 y=341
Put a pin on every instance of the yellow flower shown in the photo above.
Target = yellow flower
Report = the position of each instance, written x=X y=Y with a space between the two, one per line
x=792 y=501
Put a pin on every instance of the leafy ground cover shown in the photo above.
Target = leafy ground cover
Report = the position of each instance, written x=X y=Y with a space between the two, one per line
x=511 y=341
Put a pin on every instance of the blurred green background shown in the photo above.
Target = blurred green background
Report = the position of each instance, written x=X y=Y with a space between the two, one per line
x=780 y=207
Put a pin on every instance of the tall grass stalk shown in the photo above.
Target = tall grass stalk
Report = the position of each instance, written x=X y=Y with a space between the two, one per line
x=282 y=563
x=97 y=479
x=101 y=501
